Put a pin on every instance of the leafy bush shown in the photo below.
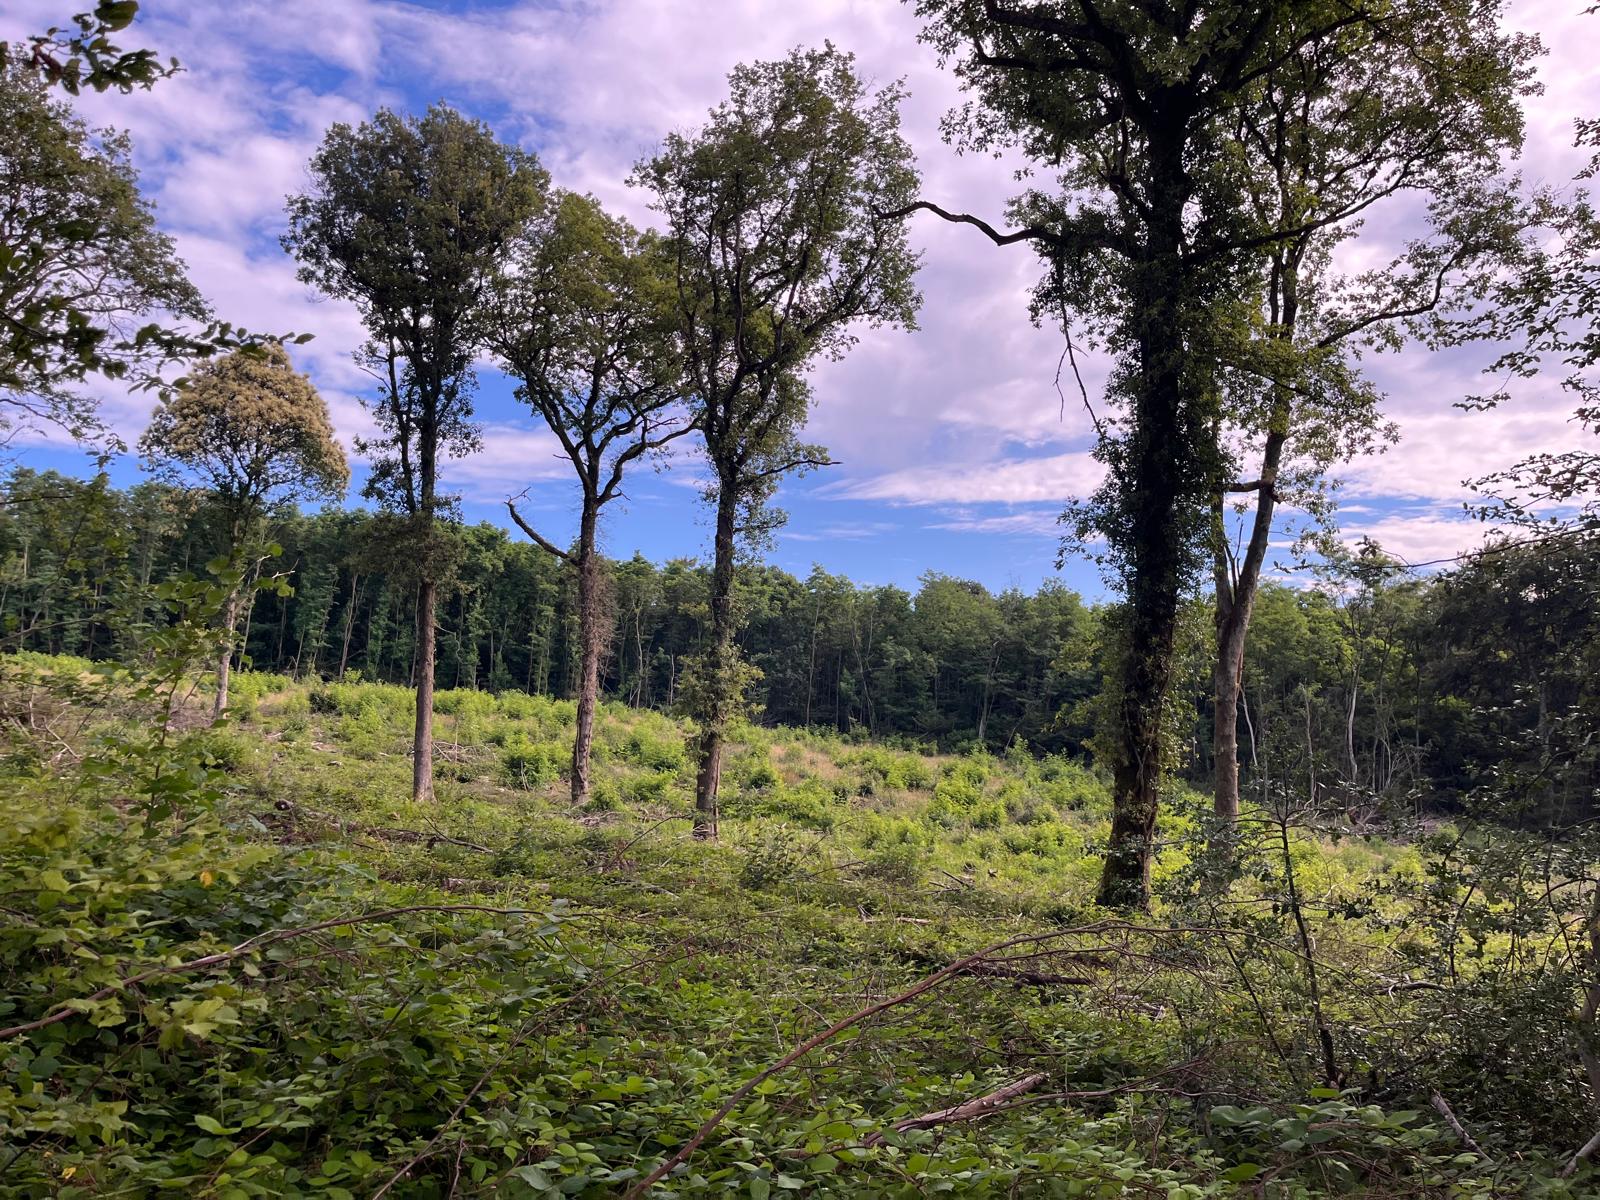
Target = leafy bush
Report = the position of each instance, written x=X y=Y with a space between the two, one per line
x=464 y=702
x=652 y=788
x=385 y=701
x=773 y=855
x=902 y=863
x=529 y=765
x=810 y=804
x=653 y=753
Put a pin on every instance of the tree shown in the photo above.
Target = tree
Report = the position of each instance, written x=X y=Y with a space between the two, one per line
x=81 y=262
x=583 y=322
x=778 y=255
x=1151 y=248
x=1331 y=129
x=253 y=431
x=408 y=218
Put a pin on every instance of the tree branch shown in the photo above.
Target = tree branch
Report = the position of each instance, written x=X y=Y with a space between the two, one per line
x=539 y=541
x=1035 y=233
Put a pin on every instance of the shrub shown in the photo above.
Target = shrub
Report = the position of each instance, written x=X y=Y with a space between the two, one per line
x=529 y=765
x=653 y=788
x=809 y=803
x=902 y=863
x=772 y=856
x=1049 y=839
x=1070 y=786
x=463 y=702
x=653 y=753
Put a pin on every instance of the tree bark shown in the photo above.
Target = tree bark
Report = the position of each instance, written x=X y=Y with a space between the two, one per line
x=590 y=647
x=422 y=741
x=1160 y=485
x=719 y=669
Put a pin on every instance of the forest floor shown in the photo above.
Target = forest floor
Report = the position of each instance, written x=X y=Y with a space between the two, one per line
x=495 y=992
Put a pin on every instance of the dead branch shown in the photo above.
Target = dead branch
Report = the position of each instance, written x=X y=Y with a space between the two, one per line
x=968 y=1110
x=1033 y=978
x=1456 y=1127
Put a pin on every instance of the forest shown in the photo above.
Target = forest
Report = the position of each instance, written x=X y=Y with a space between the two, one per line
x=354 y=846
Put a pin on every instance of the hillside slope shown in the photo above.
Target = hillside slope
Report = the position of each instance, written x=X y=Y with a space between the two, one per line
x=267 y=973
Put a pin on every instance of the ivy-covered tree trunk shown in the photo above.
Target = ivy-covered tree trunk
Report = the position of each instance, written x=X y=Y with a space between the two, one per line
x=591 y=637
x=720 y=671
x=1160 y=467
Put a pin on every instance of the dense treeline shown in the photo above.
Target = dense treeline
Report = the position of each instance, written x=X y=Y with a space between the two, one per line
x=1376 y=689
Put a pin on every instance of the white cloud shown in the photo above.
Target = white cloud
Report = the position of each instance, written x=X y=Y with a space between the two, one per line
x=1058 y=477
x=962 y=412
x=1421 y=539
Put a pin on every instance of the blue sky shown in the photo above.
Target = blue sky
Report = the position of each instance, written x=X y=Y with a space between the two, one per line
x=956 y=450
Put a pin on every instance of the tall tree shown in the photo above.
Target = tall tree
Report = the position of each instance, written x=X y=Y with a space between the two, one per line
x=409 y=218
x=253 y=431
x=82 y=264
x=779 y=255
x=583 y=322
x=1151 y=248
x=1329 y=131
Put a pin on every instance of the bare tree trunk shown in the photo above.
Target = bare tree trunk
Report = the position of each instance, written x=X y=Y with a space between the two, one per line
x=811 y=669
x=230 y=617
x=590 y=640
x=349 y=622
x=1236 y=591
x=422 y=742
x=720 y=669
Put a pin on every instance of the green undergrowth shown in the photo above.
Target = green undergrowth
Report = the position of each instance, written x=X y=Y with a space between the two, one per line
x=493 y=992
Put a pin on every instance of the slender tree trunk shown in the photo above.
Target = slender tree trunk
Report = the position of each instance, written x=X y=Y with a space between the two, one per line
x=590 y=639
x=422 y=741
x=719 y=667
x=349 y=622
x=230 y=618
x=811 y=669
x=1236 y=597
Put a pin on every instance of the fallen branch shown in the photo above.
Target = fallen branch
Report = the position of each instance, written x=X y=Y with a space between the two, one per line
x=959 y=967
x=1033 y=978
x=258 y=942
x=394 y=834
x=1456 y=1126
x=1584 y=1151
x=967 y=1110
